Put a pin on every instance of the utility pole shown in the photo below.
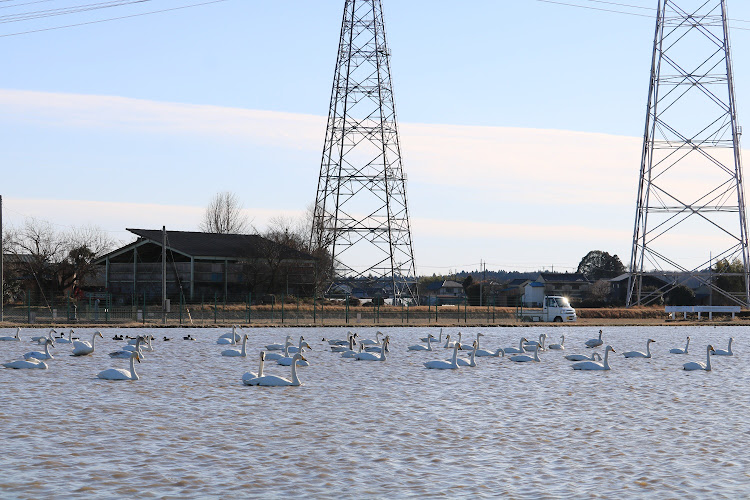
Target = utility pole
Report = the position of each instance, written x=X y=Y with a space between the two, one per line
x=164 y=274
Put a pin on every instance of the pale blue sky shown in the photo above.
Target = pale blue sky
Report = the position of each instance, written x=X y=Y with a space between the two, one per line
x=501 y=79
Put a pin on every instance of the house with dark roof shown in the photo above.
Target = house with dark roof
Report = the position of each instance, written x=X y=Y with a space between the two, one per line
x=205 y=266
x=574 y=286
x=443 y=292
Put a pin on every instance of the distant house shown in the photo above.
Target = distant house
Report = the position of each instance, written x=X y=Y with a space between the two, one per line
x=444 y=292
x=512 y=294
x=574 y=286
x=205 y=266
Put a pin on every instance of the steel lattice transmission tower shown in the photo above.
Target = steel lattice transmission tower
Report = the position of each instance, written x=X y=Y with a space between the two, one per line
x=691 y=207
x=361 y=213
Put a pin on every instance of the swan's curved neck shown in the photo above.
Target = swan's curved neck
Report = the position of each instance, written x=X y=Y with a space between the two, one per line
x=687 y=344
x=440 y=338
x=93 y=341
x=133 y=374
x=648 y=349
x=520 y=345
x=708 y=359
x=429 y=344
x=454 y=361
x=260 y=368
x=606 y=359
x=295 y=378
x=46 y=349
x=244 y=345
x=382 y=351
x=729 y=348
x=536 y=354
x=562 y=340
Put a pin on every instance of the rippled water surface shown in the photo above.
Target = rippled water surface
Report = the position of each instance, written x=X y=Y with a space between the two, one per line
x=190 y=428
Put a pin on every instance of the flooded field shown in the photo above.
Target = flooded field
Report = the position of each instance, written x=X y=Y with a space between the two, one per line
x=190 y=428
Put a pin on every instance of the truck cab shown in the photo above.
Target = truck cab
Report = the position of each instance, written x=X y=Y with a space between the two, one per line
x=558 y=309
x=555 y=309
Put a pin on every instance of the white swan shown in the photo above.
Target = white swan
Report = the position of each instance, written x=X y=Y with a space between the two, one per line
x=40 y=338
x=69 y=340
x=279 y=347
x=82 y=348
x=274 y=381
x=371 y=356
x=694 y=365
x=339 y=341
x=639 y=354
x=593 y=365
x=529 y=345
x=128 y=350
x=583 y=357
x=249 y=377
x=346 y=348
x=233 y=337
x=472 y=359
x=483 y=353
x=26 y=363
x=722 y=352
x=681 y=351
x=595 y=342
x=523 y=358
x=121 y=374
x=466 y=347
x=448 y=343
x=351 y=353
x=287 y=360
x=41 y=355
x=432 y=338
x=439 y=364
x=237 y=352
x=420 y=347
x=373 y=342
x=558 y=347
x=272 y=356
x=16 y=338
x=513 y=350
x=379 y=348
x=144 y=345
x=300 y=347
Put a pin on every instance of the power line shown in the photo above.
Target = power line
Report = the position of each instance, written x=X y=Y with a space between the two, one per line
x=112 y=18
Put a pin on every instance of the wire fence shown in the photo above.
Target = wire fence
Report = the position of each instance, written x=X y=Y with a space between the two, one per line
x=281 y=310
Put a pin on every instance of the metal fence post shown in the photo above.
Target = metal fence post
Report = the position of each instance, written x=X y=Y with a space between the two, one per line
x=283 y=299
x=315 y=309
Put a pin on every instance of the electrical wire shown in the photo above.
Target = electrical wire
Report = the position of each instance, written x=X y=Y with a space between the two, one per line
x=112 y=18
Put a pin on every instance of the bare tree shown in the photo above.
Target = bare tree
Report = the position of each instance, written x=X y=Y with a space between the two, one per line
x=56 y=260
x=224 y=215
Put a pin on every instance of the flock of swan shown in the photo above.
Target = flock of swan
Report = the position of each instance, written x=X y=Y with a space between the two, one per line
x=289 y=354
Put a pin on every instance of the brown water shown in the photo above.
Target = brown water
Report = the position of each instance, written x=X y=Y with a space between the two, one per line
x=190 y=428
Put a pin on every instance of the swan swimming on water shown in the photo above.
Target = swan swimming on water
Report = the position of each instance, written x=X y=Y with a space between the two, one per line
x=558 y=347
x=694 y=365
x=371 y=356
x=472 y=359
x=583 y=357
x=467 y=347
x=431 y=338
x=125 y=352
x=372 y=342
x=595 y=342
x=681 y=351
x=438 y=364
x=483 y=353
x=523 y=358
x=15 y=338
x=82 y=348
x=513 y=350
x=593 y=365
x=529 y=344
x=237 y=352
x=639 y=354
x=275 y=381
x=419 y=347
x=63 y=340
x=41 y=355
x=722 y=352
x=40 y=338
x=26 y=363
x=120 y=373
x=249 y=378
x=279 y=347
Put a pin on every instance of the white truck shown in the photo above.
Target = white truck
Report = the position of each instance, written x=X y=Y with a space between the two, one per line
x=556 y=309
